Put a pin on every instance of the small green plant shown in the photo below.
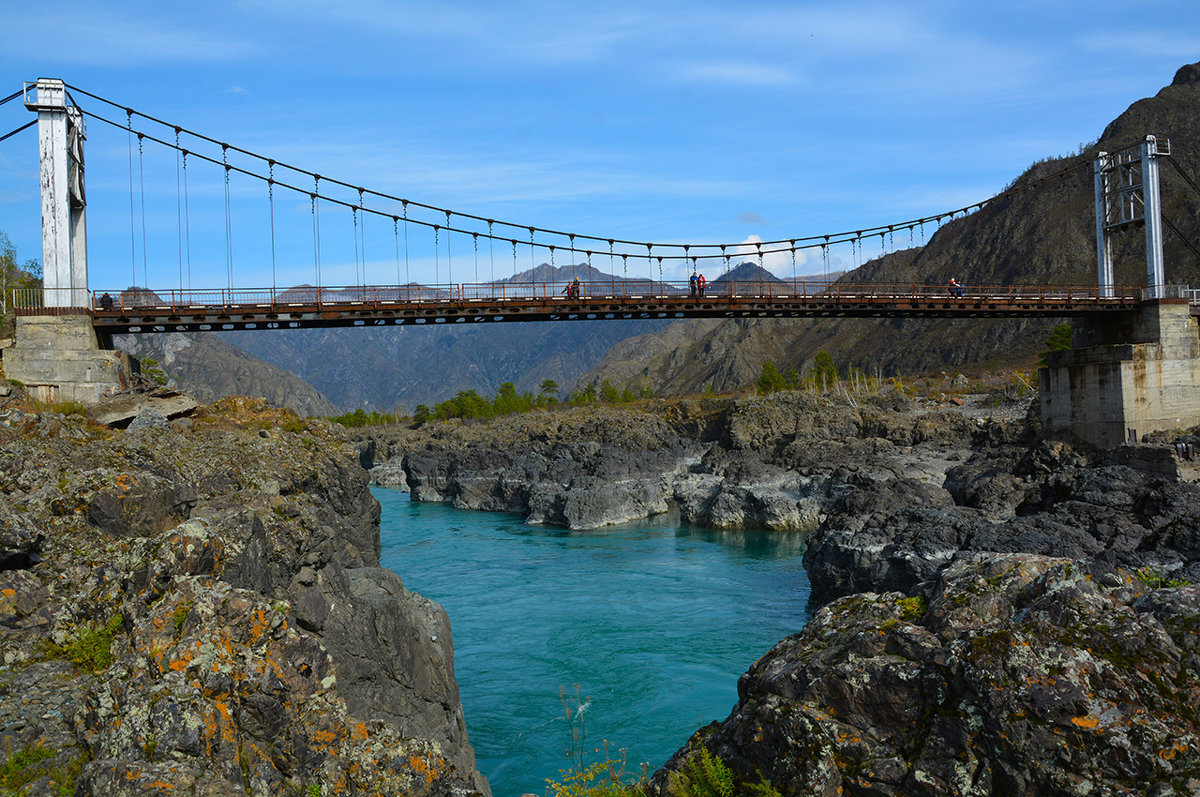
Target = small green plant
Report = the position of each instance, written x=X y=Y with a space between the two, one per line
x=26 y=765
x=313 y=791
x=706 y=775
x=70 y=408
x=20 y=768
x=604 y=778
x=1154 y=579
x=912 y=608
x=1059 y=340
x=151 y=371
x=179 y=617
x=16 y=383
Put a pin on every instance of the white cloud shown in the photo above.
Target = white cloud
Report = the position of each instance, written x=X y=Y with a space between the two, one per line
x=776 y=258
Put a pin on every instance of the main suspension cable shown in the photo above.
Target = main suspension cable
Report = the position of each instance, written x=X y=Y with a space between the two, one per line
x=840 y=236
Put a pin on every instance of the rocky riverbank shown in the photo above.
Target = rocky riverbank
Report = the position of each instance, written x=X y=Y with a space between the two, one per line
x=199 y=608
x=771 y=462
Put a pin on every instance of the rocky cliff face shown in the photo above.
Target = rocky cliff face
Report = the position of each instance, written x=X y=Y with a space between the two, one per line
x=770 y=462
x=199 y=608
x=1106 y=509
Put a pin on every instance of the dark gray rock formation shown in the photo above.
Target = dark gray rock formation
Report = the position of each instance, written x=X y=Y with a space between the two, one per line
x=763 y=462
x=1047 y=498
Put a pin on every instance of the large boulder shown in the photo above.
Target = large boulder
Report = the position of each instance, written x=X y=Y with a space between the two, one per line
x=1021 y=675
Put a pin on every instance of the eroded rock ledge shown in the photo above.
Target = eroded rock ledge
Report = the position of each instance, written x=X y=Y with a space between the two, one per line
x=200 y=610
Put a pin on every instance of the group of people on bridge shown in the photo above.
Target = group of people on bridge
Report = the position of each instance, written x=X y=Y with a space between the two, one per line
x=696 y=282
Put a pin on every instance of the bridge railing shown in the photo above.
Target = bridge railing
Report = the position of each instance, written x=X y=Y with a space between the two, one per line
x=309 y=298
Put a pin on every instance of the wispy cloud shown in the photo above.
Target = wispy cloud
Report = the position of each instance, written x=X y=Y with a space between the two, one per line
x=735 y=73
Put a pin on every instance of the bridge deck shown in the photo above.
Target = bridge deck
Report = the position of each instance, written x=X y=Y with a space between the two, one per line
x=144 y=311
x=138 y=310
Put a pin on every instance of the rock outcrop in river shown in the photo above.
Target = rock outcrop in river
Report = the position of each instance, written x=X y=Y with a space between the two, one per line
x=1021 y=675
x=199 y=608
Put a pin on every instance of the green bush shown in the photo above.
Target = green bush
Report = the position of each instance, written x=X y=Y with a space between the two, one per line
x=28 y=764
x=706 y=775
x=151 y=371
x=1156 y=580
x=912 y=608
x=770 y=380
x=361 y=417
x=91 y=649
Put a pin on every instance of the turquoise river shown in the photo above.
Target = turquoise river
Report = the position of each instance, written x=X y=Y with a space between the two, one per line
x=654 y=623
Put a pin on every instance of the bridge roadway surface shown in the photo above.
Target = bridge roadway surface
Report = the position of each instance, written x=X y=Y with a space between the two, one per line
x=142 y=311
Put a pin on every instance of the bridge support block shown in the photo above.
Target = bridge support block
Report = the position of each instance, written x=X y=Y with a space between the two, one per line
x=1125 y=377
x=59 y=358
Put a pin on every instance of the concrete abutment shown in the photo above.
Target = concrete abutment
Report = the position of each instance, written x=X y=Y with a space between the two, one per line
x=59 y=358
x=1125 y=376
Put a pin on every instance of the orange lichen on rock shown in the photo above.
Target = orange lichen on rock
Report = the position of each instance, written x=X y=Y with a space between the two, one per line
x=429 y=768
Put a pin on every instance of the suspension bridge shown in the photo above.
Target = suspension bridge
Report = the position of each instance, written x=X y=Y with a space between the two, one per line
x=308 y=226
x=338 y=216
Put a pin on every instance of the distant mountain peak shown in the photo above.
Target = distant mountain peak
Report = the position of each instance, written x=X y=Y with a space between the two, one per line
x=747 y=272
x=548 y=273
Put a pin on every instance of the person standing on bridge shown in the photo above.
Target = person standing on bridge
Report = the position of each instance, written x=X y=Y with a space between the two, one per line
x=106 y=302
x=700 y=285
x=693 y=284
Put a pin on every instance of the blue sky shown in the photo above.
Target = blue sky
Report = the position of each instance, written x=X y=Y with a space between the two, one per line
x=649 y=121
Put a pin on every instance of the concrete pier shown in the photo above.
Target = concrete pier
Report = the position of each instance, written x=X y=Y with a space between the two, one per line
x=59 y=358
x=1126 y=376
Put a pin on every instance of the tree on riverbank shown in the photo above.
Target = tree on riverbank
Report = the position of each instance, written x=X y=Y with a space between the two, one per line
x=15 y=275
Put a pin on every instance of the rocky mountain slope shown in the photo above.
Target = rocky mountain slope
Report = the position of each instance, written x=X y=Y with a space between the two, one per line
x=198 y=608
x=404 y=367
x=1045 y=234
x=209 y=367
